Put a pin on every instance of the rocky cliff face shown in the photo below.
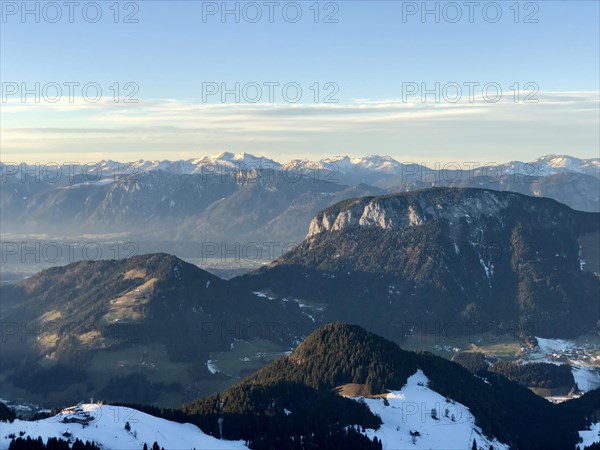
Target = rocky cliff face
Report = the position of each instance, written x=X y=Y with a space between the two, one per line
x=414 y=209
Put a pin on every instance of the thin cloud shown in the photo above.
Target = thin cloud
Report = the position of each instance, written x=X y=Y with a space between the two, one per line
x=155 y=124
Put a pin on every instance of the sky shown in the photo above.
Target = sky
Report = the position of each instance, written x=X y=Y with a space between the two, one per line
x=419 y=81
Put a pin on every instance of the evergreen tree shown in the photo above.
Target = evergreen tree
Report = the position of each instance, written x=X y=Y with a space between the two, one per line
x=6 y=414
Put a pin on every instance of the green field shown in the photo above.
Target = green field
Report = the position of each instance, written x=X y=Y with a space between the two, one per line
x=246 y=357
x=503 y=347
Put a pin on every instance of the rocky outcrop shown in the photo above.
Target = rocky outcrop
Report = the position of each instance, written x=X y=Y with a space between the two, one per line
x=412 y=209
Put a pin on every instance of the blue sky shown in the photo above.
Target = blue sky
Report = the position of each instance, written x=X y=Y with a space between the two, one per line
x=367 y=55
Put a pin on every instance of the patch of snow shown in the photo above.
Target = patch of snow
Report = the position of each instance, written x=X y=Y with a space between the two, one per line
x=210 y=364
x=590 y=436
x=581 y=261
x=587 y=378
x=489 y=270
x=554 y=345
x=484 y=379
x=177 y=273
x=263 y=295
x=310 y=316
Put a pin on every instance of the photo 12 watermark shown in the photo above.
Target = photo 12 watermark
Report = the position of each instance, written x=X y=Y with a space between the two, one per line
x=469 y=92
x=53 y=252
x=271 y=12
x=232 y=331
x=69 y=172
x=269 y=92
x=238 y=252
x=470 y=12
x=69 y=12
x=69 y=91
x=452 y=336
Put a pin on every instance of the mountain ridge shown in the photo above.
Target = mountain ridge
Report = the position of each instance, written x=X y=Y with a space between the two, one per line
x=466 y=254
x=488 y=202
x=135 y=328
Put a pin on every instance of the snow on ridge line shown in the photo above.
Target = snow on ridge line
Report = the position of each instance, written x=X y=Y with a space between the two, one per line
x=107 y=429
x=408 y=419
x=543 y=166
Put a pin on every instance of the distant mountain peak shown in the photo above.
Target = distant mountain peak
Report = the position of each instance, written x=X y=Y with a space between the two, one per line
x=240 y=159
x=230 y=156
x=222 y=155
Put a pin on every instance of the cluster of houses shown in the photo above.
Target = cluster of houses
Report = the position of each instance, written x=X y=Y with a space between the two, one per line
x=76 y=414
x=572 y=354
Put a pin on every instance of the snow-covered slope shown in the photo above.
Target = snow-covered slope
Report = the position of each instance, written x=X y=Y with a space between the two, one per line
x=561 y=351
x=107 y=429
x=590 y=436
x=408 y=422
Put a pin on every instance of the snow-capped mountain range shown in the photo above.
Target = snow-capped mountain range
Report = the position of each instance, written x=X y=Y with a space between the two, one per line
x=553 y=164
x=344 y=165
x=218 y=163
x=546 y=165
